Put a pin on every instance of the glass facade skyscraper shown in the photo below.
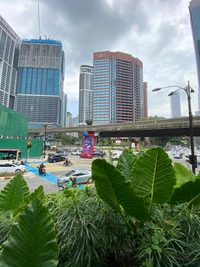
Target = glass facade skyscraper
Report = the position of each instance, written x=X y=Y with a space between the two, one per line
x=40 y=82
x=85 y=93
x=194 y=9
x=9 y=51
x=118 y=91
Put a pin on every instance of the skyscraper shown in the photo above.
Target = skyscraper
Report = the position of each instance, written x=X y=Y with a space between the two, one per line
x=145 y=115
x=9 y=51
x=194 y=9
x=175 y=105
x=40 y=82
x=118 y=92
x=85 y=93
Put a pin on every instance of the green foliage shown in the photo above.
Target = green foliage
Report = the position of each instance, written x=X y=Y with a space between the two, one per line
x=183 y=175
x=187 y=193
x=37 y=194
x=13 y=194
x=89 y=122
x=66 y=139
x=115 y=191
x=88 y=229
x=32 y=240
x=125 y=163
x=153 y=176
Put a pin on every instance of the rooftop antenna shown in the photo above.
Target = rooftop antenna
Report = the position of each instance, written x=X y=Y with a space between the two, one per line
x=56 y=34
x=39 y=20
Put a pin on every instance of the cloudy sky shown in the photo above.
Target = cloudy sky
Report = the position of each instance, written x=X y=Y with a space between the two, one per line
x=157 y=32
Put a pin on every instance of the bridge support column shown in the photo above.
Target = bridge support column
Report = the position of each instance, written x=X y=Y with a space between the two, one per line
x=88 y=142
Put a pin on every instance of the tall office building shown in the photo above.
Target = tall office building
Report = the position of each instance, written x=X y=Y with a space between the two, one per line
x=40 y=82
x=194 y=9
x=9 y=51
x=118 y=92
x=175 y=105
x=145 y=115
x=69 y=120
x=85 y=93
x=64 y=110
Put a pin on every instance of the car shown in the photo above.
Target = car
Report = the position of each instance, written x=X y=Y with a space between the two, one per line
x=178 y=157
x=76 y=152
x=82 y=176
x=86 y=156
x=98 y=153
x=55 y=158
x=8 y=167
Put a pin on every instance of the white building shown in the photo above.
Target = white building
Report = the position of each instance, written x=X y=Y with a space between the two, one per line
x=175 y=105
x=9 y=51
x=85 y=93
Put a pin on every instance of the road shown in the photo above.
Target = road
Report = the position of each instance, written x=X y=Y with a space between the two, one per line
x=57 y=169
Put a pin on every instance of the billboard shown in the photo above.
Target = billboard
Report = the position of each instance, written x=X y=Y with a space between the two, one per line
x=88 y=142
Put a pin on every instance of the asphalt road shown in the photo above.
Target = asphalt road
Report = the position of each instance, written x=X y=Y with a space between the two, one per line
x=57 y=169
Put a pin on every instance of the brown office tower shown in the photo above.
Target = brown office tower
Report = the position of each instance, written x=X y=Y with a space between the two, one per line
x=118 y=91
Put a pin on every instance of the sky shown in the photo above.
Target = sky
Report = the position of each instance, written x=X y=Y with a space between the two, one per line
x=158 y=32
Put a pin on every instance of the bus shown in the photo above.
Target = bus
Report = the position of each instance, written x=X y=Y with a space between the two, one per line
x=10 y=154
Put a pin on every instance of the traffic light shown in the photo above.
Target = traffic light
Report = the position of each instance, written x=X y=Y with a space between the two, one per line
x=191 y=160
x=29 y=143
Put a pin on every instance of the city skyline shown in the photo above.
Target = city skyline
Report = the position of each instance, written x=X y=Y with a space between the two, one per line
x=158 y=33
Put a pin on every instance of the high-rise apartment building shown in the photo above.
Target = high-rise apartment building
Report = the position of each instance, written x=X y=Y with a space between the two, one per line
x=40 y=82
x=118 y=91
x=194 y=9
x=175 y=105
x=85 y=93
x=9 y=51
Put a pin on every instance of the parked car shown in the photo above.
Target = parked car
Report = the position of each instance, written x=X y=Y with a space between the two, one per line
x=11 y=167
x=82 y=176
x=86 y=156
x=98 y=153
x=56 y=158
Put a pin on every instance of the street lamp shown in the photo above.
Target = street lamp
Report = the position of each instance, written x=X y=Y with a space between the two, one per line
x=188 y=90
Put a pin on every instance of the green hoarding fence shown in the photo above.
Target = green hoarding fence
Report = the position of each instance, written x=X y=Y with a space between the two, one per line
x=36 y=149
x=13 y=123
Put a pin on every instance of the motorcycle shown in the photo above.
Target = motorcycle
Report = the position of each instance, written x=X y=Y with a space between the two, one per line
x=42 y=170
x=67 y=163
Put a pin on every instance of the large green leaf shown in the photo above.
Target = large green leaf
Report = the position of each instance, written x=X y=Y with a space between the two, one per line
x=188 y=192
x=38 y=193
x=153 y=176
x=183 y=174
x=113 y=189
x=32 y=241
x=13 y=194
x=125 y=163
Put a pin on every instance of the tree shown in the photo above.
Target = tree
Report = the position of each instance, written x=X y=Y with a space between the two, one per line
x=89 y=122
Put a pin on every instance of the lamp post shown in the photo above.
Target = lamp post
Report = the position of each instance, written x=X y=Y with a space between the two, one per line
x=188 y=90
